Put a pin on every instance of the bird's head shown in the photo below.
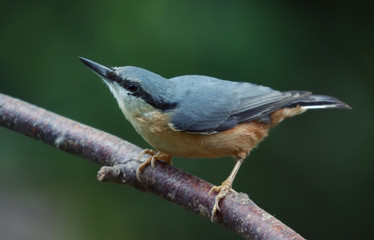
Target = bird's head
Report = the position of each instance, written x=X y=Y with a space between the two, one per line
x=136 y=90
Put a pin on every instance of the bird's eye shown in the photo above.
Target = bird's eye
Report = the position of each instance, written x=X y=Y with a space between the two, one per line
x=132 y=87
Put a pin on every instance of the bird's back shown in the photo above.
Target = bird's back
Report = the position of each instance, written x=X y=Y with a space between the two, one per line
x=207 y=105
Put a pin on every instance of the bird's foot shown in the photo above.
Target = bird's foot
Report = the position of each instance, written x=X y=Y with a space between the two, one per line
x=223 y=190
x=146 y=151
x=154 y=156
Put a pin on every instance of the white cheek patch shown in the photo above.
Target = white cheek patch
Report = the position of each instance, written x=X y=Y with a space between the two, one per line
x=114 y=88
x=119 y=94
x=132 y=107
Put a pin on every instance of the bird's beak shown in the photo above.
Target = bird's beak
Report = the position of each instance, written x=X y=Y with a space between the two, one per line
x=99 y=69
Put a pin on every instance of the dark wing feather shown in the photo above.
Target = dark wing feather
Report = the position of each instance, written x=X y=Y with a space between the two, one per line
x=207 y=105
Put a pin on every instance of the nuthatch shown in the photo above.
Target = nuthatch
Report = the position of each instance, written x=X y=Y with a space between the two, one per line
x=202 y=117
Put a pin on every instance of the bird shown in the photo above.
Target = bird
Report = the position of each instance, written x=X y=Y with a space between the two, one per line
x=195 y=116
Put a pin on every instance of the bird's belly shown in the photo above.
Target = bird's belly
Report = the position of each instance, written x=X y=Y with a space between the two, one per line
x=236 y=142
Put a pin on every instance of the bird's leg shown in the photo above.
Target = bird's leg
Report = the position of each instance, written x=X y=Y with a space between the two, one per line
x=225 y=188
x=145 y=163
x=154 y=156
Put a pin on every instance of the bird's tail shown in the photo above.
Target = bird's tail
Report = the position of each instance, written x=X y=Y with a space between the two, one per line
x=318 y=102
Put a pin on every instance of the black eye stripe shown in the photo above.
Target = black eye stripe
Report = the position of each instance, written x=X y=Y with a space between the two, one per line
x=136 y=90
x=114 y=77
x=127 y=84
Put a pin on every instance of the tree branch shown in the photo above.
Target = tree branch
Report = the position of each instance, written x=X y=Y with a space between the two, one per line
x=116 y=156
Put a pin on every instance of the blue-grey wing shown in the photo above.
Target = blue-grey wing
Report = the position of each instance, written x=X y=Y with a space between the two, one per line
x=207 y=105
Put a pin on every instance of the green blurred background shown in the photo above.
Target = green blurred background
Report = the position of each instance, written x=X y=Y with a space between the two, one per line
x=314 y=172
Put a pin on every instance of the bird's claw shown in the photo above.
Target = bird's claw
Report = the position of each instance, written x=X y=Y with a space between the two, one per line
x=146 y=151
x=154 y=156
x=223 y=190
